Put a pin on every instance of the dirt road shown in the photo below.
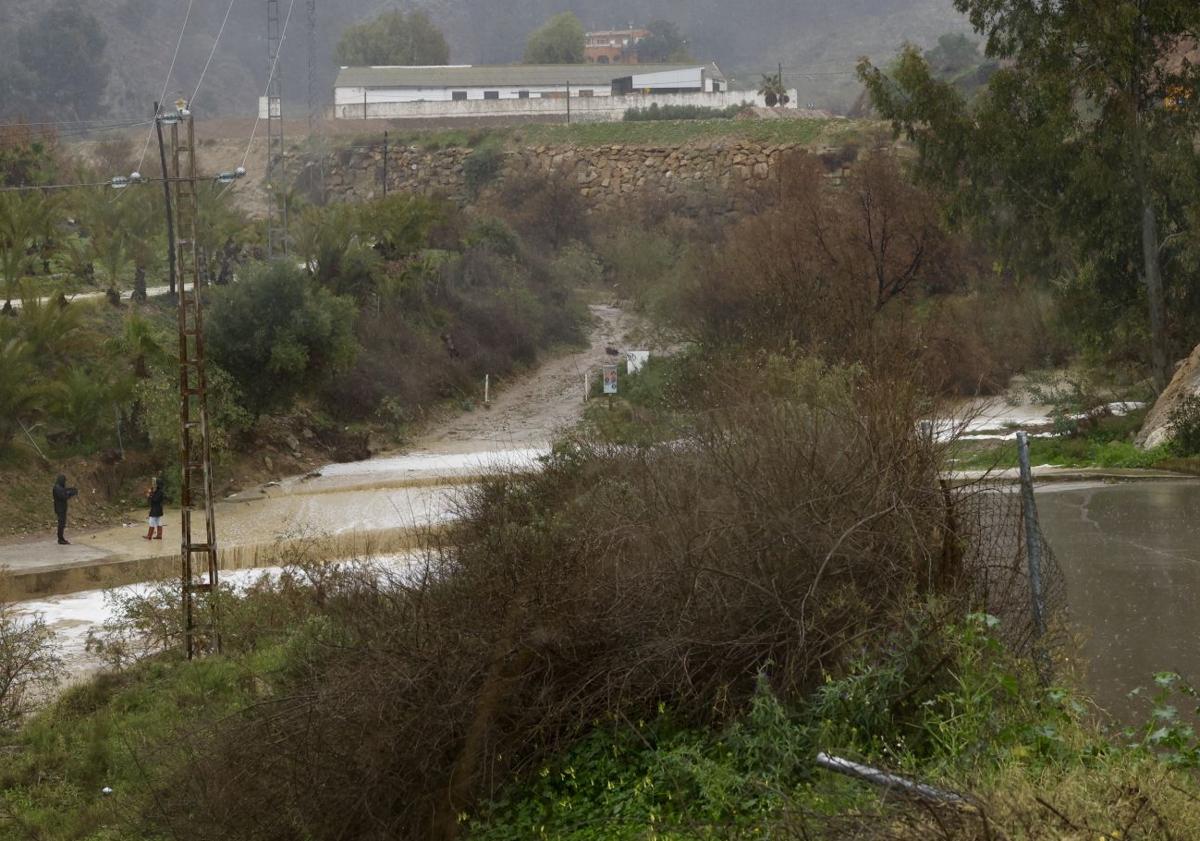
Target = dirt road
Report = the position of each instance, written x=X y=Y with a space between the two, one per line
x=368 y=506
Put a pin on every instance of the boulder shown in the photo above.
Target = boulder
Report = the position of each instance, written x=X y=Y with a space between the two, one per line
x=1186 y=382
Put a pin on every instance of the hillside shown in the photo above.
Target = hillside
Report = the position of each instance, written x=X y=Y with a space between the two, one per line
x=816 y=40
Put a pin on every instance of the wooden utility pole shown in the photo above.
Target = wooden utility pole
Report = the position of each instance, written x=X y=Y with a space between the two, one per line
x=198 y=554
x=162 y=157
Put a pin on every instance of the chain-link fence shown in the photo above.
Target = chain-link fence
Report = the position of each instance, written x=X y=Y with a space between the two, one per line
x=989 y=525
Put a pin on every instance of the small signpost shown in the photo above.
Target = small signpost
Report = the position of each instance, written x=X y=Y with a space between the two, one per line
x=610 y=379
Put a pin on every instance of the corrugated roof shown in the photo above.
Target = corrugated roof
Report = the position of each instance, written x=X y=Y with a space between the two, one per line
x=507 y=75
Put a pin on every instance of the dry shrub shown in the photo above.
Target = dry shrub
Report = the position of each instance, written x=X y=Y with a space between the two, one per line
x=146 y=620
x=547 y=209
x=864 y=271
x=778 y=538
x=975 y=342
x=30 y=664
x=482 y=312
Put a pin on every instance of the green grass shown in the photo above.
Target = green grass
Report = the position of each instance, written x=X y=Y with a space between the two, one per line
x=109 y=732
x=1107 y=444
x=1062 y=452
x=646 y=133
x=646 y=410
x=984 y=725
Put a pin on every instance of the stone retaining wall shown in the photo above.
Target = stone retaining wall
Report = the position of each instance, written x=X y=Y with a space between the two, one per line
x=720 y=176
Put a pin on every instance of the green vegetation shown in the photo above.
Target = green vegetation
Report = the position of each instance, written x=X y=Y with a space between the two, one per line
x=393 y=38
x=59 y=65
x=482 y=166
x=280 y=335
x=679 y=132
x=680 y=112
x=773 y=90
x=1075 y=163
x=405 y=304
x=956 y=59
x=1064 y=452
x=559 y=40
x=811 y=132
x=653 y=639
x=664 y=45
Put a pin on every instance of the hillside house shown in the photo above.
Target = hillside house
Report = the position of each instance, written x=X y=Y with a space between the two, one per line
x=613 y=46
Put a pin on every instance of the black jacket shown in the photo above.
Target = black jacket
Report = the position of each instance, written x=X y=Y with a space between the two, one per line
x=61 y=494
x=157 y=497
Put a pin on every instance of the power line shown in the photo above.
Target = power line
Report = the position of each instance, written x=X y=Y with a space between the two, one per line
x=213 y=52
x=69 y=134
x=30 y=188
x=167 y=81
x=270 y=78
x=111 y=121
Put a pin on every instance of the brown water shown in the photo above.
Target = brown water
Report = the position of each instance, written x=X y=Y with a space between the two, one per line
x=1131 y=554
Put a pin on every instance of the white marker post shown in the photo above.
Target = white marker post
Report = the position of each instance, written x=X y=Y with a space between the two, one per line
x=487 y=389
x=587 y=381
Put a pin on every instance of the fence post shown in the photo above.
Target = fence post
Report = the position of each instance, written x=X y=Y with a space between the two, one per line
x=1033 y=535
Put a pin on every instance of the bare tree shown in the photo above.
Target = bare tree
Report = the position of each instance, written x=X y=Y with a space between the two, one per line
x=29 y=664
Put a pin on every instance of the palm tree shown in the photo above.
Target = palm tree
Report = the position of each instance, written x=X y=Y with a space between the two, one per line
x=49 y=331
x=141 y=344
x=20 y=396
x=108 y=235
x=773 y=91
x=22 y=217
x=146 y=243
x=219 y=226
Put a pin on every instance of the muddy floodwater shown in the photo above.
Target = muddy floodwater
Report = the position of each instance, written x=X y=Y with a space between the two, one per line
x=1131 y=554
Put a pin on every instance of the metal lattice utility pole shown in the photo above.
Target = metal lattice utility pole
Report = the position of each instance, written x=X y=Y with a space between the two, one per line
x=276 y=182
x=198 y=549
x=313 y=116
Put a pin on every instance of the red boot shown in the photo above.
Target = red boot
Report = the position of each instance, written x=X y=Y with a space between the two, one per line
x=149 y=534
x=159 y=535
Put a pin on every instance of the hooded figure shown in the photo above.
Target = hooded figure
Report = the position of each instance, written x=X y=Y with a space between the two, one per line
x=156 y=496
x=61 y=495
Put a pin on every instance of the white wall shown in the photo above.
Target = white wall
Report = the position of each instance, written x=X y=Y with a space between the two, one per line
x=692 y=77
x=352 y=96
x=583 y=109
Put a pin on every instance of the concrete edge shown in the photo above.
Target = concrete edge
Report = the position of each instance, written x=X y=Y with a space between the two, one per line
x=119 y=570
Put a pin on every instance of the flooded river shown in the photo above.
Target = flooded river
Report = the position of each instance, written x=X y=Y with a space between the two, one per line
x=1131 y=554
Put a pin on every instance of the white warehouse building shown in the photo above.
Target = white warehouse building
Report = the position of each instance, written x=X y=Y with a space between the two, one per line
x=592 y=91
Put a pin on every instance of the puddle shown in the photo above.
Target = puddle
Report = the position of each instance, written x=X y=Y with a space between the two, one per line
x=1131 y=555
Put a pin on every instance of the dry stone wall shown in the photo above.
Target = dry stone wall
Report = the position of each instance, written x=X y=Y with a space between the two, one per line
x=721 y=176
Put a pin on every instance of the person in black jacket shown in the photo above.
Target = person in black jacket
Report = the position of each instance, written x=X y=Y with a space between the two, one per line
x=61 y=494
x=156 y=496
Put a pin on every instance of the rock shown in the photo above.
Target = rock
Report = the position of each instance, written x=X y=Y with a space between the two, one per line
x=1185 y=383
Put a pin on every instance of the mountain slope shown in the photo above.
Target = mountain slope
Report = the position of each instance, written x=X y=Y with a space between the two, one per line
x=812 y=38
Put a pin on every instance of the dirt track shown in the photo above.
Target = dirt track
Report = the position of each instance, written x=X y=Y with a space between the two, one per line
x=347 y=504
